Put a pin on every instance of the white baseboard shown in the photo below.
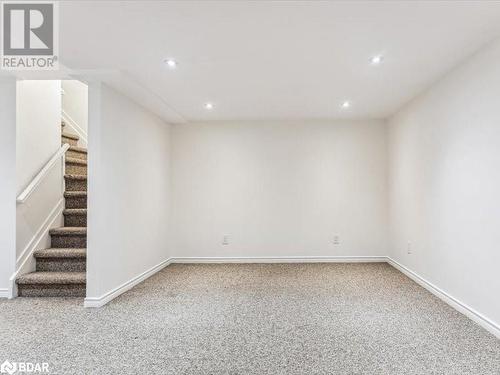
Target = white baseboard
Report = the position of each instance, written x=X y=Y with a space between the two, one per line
x=112 y=294
x=302 y=259
x=477 y=317
x=4 y=293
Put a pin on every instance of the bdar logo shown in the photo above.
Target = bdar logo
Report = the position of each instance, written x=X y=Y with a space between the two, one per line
x=8 y=368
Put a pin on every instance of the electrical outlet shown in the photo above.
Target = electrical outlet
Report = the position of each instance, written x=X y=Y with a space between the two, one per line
x=336 y=239
x=408 y=247
x=225 y=240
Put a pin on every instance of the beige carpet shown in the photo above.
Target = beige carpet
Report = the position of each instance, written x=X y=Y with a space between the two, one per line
x=253 y=319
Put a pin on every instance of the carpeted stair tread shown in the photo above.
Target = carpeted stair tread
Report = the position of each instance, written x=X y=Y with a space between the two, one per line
x=75 y=217
x=75 y=177
x=68 y=231
x=71 y=194
x=75 y=182
x=78 y=149
x=75 y=211
x=76 y=199
x=61 y=253
x=51 y=278
x=76 y=161
x=76 y=152
x=70 y=136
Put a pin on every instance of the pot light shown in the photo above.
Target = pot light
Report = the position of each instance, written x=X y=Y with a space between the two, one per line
x=377 y=59
x=171 y=63
x=209 y=106
x=346 y=104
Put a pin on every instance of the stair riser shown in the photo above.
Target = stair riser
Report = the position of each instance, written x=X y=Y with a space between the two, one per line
x=76 y=185
x=61 y=265
x=76 y=202
x=56 y=290
x=76 y=169
x=72 y=220
x=76 y=155
x=61 y=241
x=70 y=141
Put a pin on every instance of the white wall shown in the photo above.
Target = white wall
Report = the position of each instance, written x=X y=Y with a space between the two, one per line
x=445 y=184
x=128 y=205
x=75 y=108
x=38 y=139
x=38 y=127
x=279 y=189
x=7 y=183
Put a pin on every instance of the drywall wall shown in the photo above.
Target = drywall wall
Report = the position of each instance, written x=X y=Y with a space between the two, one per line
x=279 y=189
x=75 y=108
x=38 y=139
x=7 y=183
x=128 y=198
x=38 y=127
x=445 y=183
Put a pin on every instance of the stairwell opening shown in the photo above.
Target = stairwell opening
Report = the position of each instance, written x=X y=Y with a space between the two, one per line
x=52 y=159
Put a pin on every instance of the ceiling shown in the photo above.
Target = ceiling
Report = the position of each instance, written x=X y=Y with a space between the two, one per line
x=276 y=60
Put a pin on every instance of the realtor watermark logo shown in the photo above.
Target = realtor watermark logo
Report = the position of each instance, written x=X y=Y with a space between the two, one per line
x=30 y=35
x=24 y=368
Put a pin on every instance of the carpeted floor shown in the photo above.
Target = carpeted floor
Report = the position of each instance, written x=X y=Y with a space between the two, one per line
x=253 y=319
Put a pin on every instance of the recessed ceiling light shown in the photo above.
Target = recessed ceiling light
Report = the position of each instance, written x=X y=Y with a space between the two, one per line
x=346 y=104
x=377 y=59
x=171 y=63
x=209 y=106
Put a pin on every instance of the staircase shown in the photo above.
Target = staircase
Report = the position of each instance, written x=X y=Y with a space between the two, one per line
x=60 y=270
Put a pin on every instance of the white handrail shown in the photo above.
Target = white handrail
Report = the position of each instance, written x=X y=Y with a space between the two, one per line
x=41 y=175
